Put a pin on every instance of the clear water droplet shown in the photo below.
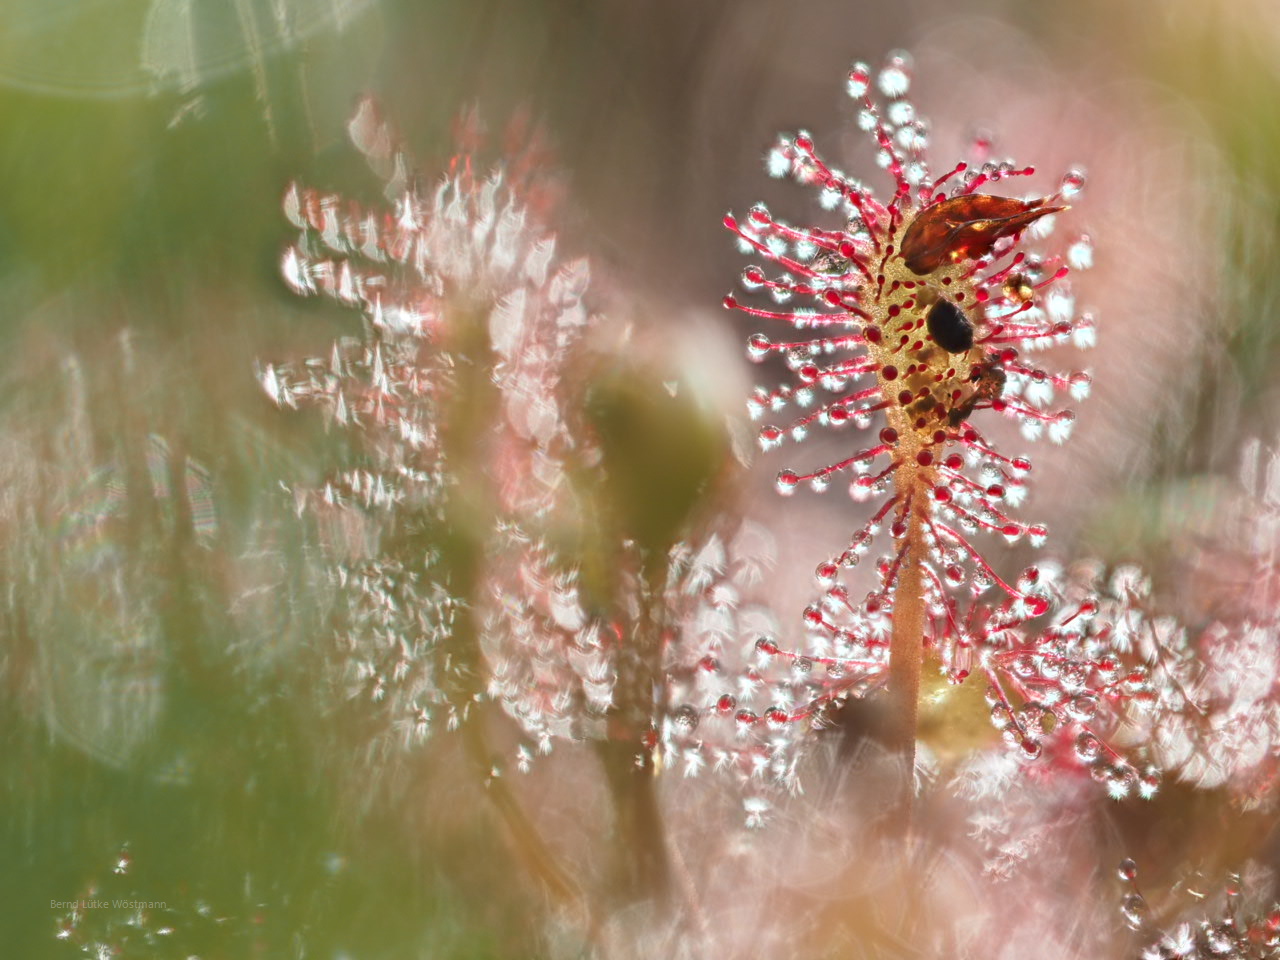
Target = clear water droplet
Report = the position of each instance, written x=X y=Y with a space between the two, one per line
x=1081 y=385
x=1087 y=747
x=1082 y=708
x=1080 y=254
x=901 y=112
x=895 y=80
x=1218 y=938
x=1072 y=184
x=777 y=163
x=859 y=80
x=1134 y=910
x=686 y=718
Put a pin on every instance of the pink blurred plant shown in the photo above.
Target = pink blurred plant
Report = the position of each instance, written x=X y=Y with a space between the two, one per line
x=457 y=393
x=1237 y=923
x=1221 y=725
x=478 y=556
x=450 y=594
x=1112 y=678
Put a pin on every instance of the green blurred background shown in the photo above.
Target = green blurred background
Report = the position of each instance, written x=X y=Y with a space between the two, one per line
x=146 y=146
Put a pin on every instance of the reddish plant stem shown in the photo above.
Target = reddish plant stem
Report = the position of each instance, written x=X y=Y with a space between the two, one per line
x=906 y=654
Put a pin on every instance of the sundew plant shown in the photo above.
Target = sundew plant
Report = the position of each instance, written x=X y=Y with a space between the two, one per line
x=922 y=318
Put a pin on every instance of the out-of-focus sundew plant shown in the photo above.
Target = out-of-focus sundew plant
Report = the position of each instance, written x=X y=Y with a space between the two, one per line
x=392 y=568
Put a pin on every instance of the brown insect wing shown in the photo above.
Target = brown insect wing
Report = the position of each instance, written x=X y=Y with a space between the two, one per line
x=965 y=228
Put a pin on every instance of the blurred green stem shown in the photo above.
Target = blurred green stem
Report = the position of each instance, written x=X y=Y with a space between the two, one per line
x=469 y=515
x=641 y=870
x=528 y=843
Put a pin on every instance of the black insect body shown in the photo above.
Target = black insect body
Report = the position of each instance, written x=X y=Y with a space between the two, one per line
x=949 y=327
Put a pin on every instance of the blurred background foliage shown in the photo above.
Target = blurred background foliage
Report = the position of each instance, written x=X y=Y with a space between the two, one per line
x=147 y=542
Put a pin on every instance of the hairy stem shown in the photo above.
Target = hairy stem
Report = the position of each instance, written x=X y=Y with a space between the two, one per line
x=906 y=653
